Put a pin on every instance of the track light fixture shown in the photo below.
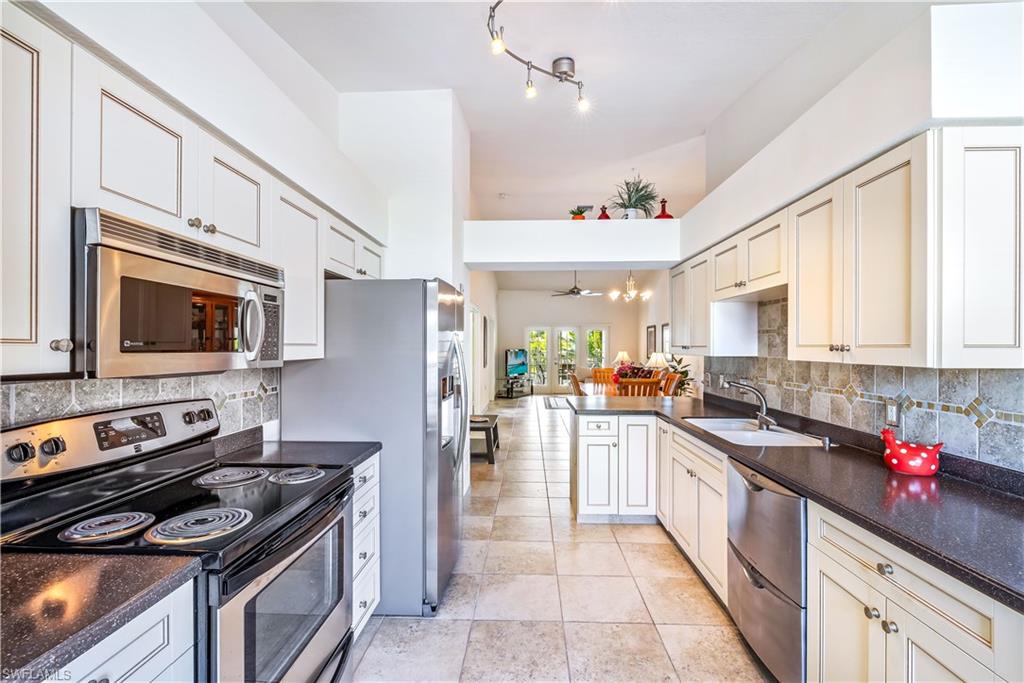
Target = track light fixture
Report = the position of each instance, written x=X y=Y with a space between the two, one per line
x=562 y=70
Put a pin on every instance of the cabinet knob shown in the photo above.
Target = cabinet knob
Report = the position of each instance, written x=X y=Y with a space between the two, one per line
x=890 y=627
x=210 y=228
x=844 y=347
x=872 y=612
x=362 y=514
x=196 y=222
x=743 y=283
x=884 y=569
x=62 y=345
x=363 y=604
x=362 y=479
x=362 y=556
x=832 y=347
x=615 y=444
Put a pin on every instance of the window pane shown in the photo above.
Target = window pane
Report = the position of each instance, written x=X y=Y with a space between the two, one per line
x=566 y=356
x=538 y=353
x=595 y=349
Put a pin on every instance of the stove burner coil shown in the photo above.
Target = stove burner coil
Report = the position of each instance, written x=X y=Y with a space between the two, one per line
x=198 y=525
x=226 y=477
x=106 y=527
x=297 y=475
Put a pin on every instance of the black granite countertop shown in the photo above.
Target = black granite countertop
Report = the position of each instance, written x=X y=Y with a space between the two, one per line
x=55 y=606
x=298 y=453
x=969 y=531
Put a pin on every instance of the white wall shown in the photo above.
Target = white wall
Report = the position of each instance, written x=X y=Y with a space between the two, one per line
x=483 y=293
x=657 y=311
x=180 y=49
x=518 y=310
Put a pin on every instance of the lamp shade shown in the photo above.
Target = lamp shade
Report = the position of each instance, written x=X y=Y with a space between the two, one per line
x=657 y=360
x=622 y=357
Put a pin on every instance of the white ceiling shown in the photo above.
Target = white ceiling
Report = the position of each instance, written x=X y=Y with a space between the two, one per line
x=551 y=280
x=657 y=73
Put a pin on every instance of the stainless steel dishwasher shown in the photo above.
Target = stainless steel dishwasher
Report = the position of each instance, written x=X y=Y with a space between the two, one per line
x=768 y=569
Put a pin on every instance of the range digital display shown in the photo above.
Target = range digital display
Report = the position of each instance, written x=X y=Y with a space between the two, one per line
x=128 y=430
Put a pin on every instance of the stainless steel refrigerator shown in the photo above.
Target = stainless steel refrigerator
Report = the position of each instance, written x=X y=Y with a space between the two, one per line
x=394 y=371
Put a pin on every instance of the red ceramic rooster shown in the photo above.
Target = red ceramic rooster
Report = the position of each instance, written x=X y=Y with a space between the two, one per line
x=910 y=458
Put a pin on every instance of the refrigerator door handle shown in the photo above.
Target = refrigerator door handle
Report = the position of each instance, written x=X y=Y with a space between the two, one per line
x=462 y=403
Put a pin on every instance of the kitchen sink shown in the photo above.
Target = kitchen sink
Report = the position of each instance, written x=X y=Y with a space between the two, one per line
x=745 y=433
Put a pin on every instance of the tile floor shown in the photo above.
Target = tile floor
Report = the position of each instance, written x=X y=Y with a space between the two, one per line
x=536 y=597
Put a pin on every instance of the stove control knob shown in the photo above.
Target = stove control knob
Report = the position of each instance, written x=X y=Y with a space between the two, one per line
x=53 y=446
x=189 y=417
x=21 y=452
x=205 y=414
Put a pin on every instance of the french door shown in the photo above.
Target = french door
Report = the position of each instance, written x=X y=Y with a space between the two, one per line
x=555 y=353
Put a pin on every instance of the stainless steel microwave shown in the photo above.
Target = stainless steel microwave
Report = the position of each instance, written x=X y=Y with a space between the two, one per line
x=155 y=303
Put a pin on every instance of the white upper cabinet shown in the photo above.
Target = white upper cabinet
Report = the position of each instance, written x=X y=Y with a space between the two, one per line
x=370 y=260
x=297 y=250
x=816 y=275
x=752 y=261
x=133 y=154
x=36 y=231
x=235 y=201
x=341 y=244
x=679 y=293
x=886 y=224
x=982 y=283
x=701 y=326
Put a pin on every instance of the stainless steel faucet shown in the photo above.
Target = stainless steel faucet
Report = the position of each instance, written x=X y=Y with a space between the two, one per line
x=764 y=422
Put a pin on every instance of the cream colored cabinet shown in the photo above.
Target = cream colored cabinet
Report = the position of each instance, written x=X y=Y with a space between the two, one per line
x=638 y=451
x=859 y=260
x=366 y=543
x=684 y=502
x=664 y=474
x=982 y=244
x=369 y=260
x=235 y=201
x=133 y=154
x=36 y=229
x=701 y=326
x=752 y=261
x=341 y=244
x=915 y=653
x=845 y=641
x=297 y=250
x=598 y=475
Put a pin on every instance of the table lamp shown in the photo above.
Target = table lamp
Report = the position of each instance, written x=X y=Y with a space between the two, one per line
x=621 y=358
x=657 y=361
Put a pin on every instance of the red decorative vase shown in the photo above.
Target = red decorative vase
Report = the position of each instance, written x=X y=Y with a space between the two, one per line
x=604 y=214
x=664 y=212
x=910 y=458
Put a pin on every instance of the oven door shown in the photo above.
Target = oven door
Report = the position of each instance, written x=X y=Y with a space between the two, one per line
x=153 y=317
x=286 y=613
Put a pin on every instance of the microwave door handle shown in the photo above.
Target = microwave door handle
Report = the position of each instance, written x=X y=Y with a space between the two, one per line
x=252 y=303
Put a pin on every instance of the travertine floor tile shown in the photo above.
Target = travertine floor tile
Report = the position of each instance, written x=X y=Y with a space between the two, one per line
x=521 y=529
x=709 y=653
x=415 y=650
x=485 y=488
x=558 y=490
x=478 y=506
x=640 y=533
x=568 y=530
x=522 y=507
x=472 y=555
x=655 y=559
x=520 y=557
x=510 y=597
x=560 y=508
x=680 y=600
x=520 y=465
x=522 y=489
x=476 y=528
x=515 y=651
x=558 y=477
x=590 y=559
x=611 y=599
x=616 y=652
x=459 y=598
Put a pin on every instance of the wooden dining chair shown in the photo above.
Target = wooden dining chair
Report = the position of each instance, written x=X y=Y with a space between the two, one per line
x=577 y=389
x=639 y=387
x=670 y=384
x=602 y=375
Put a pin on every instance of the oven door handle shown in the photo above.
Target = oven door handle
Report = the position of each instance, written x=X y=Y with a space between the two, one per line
x=284 y=543
x=341 y=655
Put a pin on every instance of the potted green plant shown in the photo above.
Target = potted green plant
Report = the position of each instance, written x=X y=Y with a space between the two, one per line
x=577 y=213
x=634 y=196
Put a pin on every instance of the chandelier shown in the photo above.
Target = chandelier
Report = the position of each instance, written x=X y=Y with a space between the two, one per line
x=562 y=70
x=631 y=291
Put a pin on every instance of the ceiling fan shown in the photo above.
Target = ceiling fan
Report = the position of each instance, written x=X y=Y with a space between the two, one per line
x=575 y=291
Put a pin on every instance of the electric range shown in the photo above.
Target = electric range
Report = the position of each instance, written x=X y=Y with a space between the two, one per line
x=146 y=480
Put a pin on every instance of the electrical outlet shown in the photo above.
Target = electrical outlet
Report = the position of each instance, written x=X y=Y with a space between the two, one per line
x=892 y=412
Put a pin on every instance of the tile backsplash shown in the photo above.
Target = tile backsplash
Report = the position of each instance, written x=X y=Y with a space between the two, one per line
x=244 y=398
x=979 y=414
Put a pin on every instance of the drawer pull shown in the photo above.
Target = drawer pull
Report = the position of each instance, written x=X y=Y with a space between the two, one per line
x=362 y=479
x=890 y=627
x=872 y=612
x=363 y=604
x=884 y=569
x=363 y=555
x=363 y=513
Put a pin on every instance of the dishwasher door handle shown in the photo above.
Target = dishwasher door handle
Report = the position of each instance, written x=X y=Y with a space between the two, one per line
x=749 y=573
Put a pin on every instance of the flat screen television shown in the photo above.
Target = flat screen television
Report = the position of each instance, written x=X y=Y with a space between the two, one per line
x=515 y=362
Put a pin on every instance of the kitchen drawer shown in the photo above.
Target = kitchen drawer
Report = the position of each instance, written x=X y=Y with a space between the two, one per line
x=144 y=648
x=598 y=425
x=365 y=507
x=365 y=596
x=366 y=545
x=366 y=474
x=985 y=629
